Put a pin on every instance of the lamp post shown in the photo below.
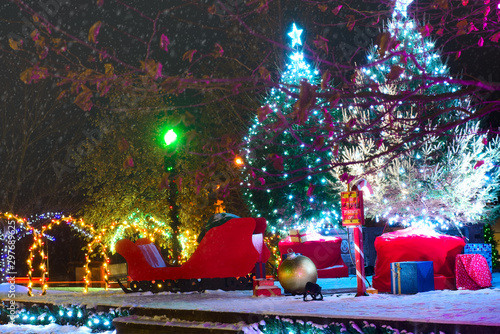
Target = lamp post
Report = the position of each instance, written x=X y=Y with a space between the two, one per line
x=169 y=164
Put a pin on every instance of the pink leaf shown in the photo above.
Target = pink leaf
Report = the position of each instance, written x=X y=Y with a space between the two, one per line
x=486 y=11
x=380 y=142
x=465 y=2
x=346 y=178
x=336 y=150
x=321 y=43
x=164 y=42
x=351 y=21
x=84 y=99
x=351 y=123
x=35 y=35
x=485 y=141
x=472 y=27
x=188 y=55
x=426 y=30
x=337 y=9
x=94 y=31
x=262 y=113
x=495 y=37
x=478 y=164
x=128 y=163
x=480 y=42
x=277 y=162
x=158 y=71
x=219 y=51
x=310 y=190
x=262 y=181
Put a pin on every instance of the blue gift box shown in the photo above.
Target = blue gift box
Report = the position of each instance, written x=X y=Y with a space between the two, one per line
x=412 y=277
x=482 y=249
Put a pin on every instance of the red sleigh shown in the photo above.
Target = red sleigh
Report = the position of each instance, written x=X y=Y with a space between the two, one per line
x=223 y=260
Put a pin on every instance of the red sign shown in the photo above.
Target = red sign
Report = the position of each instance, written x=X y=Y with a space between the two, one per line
x=352 y=208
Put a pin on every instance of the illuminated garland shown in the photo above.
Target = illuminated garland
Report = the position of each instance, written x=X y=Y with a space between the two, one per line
x=90 y=249
x=146 y=226
x=291 y=158
x=38 y=244
x=444 y=180
x=489 y=238
x=96 y=321
x=284 y=325
x=271 y=242
x=22 y=223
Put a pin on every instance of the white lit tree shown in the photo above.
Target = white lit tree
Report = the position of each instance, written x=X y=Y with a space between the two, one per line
x=448 y=177
x=287 y=153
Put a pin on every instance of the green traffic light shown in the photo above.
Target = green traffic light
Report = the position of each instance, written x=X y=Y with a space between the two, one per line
x=170 y=137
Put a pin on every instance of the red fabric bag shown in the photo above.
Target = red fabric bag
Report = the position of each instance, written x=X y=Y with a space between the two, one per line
x=415 y=244
x=472 y=271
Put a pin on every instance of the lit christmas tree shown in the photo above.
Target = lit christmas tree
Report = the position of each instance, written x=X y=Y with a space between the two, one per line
x=437 y=179
x=286 y=155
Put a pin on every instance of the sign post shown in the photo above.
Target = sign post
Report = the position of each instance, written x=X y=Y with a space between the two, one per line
x=353 y=217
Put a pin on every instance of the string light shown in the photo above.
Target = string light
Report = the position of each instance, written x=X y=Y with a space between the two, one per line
x=450 y=178
x=140 y=224
x=299 y=153
x=96 y=321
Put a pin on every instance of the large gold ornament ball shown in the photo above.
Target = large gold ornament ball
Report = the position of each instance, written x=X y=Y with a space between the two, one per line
x=295 y=271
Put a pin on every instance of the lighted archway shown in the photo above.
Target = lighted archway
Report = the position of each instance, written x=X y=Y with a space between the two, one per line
x=10 y=238
x=146 y=226
x=38 y=242
x=96 y=241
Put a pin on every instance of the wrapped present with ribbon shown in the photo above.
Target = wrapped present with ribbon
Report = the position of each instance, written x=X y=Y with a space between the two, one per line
x=481 y=249
x=265 y=287
x=260 y=270
x=298 y=235
x=412 y=277
x=472 y=272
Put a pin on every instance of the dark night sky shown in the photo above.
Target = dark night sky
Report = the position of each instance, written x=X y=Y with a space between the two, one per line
x=125 y=33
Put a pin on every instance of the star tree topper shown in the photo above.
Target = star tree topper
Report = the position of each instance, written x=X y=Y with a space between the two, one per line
x=401 y=7
x=295 y=35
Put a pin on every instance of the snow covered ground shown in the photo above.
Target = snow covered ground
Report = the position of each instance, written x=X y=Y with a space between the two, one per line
x=50 y=329
x=481 y=307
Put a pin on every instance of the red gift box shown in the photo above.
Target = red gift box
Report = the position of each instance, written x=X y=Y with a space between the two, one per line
x=263 y=282
x=267 y=291
x=265 y=287
x=472 y=272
